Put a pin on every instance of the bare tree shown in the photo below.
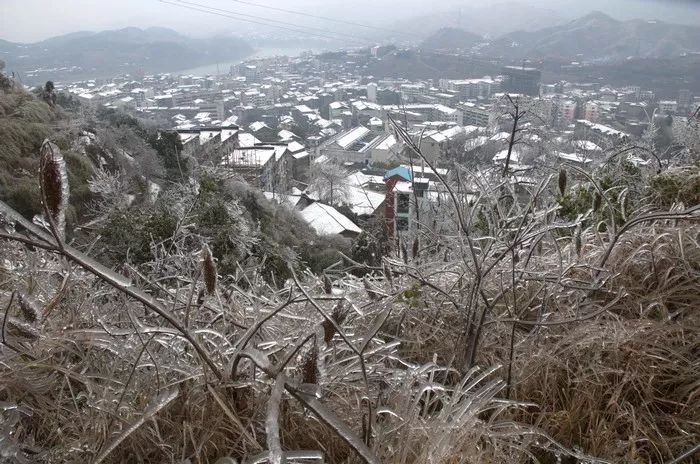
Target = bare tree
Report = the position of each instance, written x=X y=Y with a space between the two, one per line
x=516 y=114
x=329 y=183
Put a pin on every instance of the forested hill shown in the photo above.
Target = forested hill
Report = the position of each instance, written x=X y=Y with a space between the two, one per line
x=106 y=53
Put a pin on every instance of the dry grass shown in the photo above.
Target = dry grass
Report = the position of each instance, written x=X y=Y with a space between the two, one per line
x=626 y=391
x=572 y=361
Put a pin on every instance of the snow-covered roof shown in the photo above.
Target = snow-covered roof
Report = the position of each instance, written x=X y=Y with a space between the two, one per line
x=286 y=135
x=295 y=147
x=360 y=105
x=283 y=199
x=363 y=202
x=353 y=135
x=573 y=157
x=587 y=145
x=206 y=136
x=603 y=129
x=360 y=179
x=386 y=144
x=326 y=220
x=258 y=125
x=447 y=134
x=187 y=137
x=303 y=109
x=256 y=156
x=246 y=139
x=500 y=136
x=230 y=121
x=227 y=134
x=503 y=155
x=421 y=171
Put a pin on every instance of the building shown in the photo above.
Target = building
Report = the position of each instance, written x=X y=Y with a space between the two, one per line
x=326 y=220
x=411 y=92
x=475 y=115
x=438 y=144
x=468 y=89
x=410 y=189
x=599 y=134
x=566 y=111
x=372 y=92
x=685 y=100
x=668 y=107
x=361 y=145
x=592 y=111
x=522 y=80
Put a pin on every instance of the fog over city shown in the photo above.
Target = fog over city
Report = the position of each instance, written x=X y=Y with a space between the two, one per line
x=21 y=23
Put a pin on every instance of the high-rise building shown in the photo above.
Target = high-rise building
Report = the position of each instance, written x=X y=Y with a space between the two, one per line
x=517 y=79
x=685 y=98
x=372 y=92
x=592 y=112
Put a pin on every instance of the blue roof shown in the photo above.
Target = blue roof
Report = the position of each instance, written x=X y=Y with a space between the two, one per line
x=401 y=171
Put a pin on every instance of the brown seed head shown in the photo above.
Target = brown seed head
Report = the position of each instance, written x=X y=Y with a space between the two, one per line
x=597 y=201
x=562 y=181
x=209 y=270
x=310 y=367
x=31 y=310
x=54 y=184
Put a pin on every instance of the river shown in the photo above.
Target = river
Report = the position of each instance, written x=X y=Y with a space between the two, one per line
x=224 y=68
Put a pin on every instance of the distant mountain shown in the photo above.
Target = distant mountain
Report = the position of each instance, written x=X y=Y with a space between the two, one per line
x=489 y=20
x=100 y=54
x=598 y=36
x=450 y=38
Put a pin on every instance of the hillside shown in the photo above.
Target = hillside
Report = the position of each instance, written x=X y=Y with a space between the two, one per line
x=597 y=36
x=116 y=162
x=181 y=317
x=96 y=54
x=450 y=38
x=490 y=20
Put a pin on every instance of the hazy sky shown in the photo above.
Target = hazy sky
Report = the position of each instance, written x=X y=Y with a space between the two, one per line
x=33 y=20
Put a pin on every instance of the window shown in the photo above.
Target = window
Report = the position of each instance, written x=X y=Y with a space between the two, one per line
x=402 y=203
x=402 y=224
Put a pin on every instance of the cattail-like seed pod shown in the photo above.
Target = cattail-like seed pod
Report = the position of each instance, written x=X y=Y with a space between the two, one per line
x=309 y=366
x=562 y=181
x=388 y=274
x=209 y=270
x=597 y=201
x=31 y=310
x=404 y=253
x=445 y=257
x=338 y=315
x=21 y=329
x=577 y=240
x=416 y=246
x=327 y=285
x=54 y=185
